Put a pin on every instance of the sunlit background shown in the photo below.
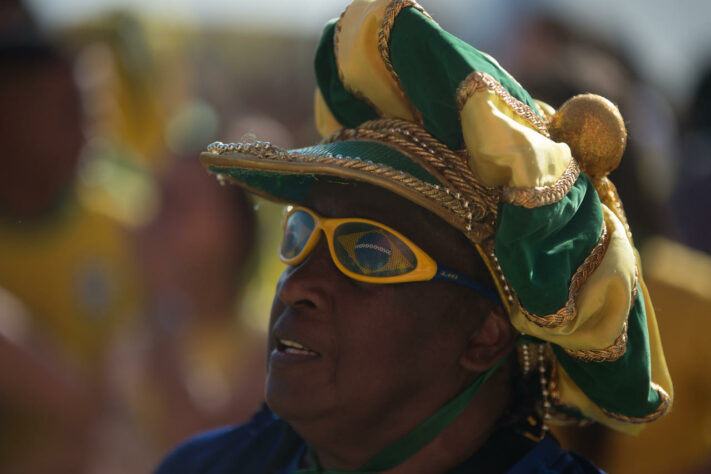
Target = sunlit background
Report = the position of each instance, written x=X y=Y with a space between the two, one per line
x=135 y=291
x=668 y=40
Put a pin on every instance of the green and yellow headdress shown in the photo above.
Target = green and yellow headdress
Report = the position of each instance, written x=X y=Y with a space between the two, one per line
x=407 y=106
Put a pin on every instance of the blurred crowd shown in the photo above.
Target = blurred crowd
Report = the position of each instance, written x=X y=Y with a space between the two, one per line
x=134 y=289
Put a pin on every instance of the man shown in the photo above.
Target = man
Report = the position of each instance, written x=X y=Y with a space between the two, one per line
x=391 y=347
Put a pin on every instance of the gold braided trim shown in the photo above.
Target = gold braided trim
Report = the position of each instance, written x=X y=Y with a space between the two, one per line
x=389 y=131
x=336 y=42
x=568 y=312
x=609 y=197
x=662 y=409
x=391 y=12
x=477 y=81
x=448 y=204
x=608 y=354
x=447 y=166
x=543 y=195
x=618 y=348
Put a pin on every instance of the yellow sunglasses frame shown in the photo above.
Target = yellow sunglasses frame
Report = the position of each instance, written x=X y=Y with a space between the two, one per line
x=426 y=268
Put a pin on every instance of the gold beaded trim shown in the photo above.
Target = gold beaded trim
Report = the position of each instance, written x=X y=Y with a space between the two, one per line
x=391 y=12
x=608 y=354
x=568 y=312
x=560 y=411
x=524 y=358
x=543 y=195
x=477 y=81
x=449 y=204
x=488 y=252
x=662 y=409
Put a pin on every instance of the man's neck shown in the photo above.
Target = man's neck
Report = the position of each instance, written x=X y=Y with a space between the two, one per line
x=451 y=447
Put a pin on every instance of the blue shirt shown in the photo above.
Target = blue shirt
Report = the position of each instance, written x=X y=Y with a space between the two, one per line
x=267 y=445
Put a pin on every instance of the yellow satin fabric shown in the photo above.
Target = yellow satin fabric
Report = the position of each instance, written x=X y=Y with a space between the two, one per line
x=326 y=123
x=570 y=394
x=660 y=371
x=77 y=276
x=360 y=63
x=603 y=302
x=504 y=149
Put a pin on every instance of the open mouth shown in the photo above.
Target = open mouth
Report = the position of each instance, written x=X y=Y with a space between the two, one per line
x=292 y=347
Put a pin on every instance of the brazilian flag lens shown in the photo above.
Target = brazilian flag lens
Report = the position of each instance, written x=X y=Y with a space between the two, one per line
x=299 y=227
x=372 y=251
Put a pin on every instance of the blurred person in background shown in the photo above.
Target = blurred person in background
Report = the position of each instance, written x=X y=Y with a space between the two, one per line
x=69 y=267
x=691 y=201
x=557 y=61
x=560 y=61
x=46 y=412
x=192 y=364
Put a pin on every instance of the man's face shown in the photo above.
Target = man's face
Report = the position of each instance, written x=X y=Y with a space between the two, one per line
x=371 y=347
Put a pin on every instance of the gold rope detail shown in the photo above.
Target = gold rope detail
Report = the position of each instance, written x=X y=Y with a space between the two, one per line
x=543 y=195
x=608 y=354
x=608 y=196
x=568 y=312
x=477 y=81
x=662 y=409
x=383 y=131
x=450 y=200
x=450 y=168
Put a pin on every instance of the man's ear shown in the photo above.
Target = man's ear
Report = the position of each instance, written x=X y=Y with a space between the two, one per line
x=491 y=341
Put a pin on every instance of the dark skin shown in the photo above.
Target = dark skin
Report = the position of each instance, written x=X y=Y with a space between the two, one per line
x=386 y=356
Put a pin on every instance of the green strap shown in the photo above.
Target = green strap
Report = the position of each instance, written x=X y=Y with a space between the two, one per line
x=402 y=449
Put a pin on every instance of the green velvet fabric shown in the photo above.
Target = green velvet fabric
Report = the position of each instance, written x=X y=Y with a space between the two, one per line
x=281 y=186
x=431 y=63
x=295 y=187
x=540 y=249
x=345 y=107
x=622 y=386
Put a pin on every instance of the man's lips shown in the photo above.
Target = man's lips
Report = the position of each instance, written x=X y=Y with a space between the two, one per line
x=288 y=352
x=289 y=346
x=293 y=340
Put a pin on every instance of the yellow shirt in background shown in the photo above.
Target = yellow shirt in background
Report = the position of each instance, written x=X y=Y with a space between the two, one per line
x=74 y=272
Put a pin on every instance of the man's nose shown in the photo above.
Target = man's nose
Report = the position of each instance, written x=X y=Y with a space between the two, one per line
x=312 y=283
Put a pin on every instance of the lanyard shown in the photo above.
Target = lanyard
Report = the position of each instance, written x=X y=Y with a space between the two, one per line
x=402 y=449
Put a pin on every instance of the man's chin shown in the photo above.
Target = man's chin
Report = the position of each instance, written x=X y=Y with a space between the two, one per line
x=295 y=402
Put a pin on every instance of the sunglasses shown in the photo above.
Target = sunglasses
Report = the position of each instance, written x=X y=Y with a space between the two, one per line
x=366 y=250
